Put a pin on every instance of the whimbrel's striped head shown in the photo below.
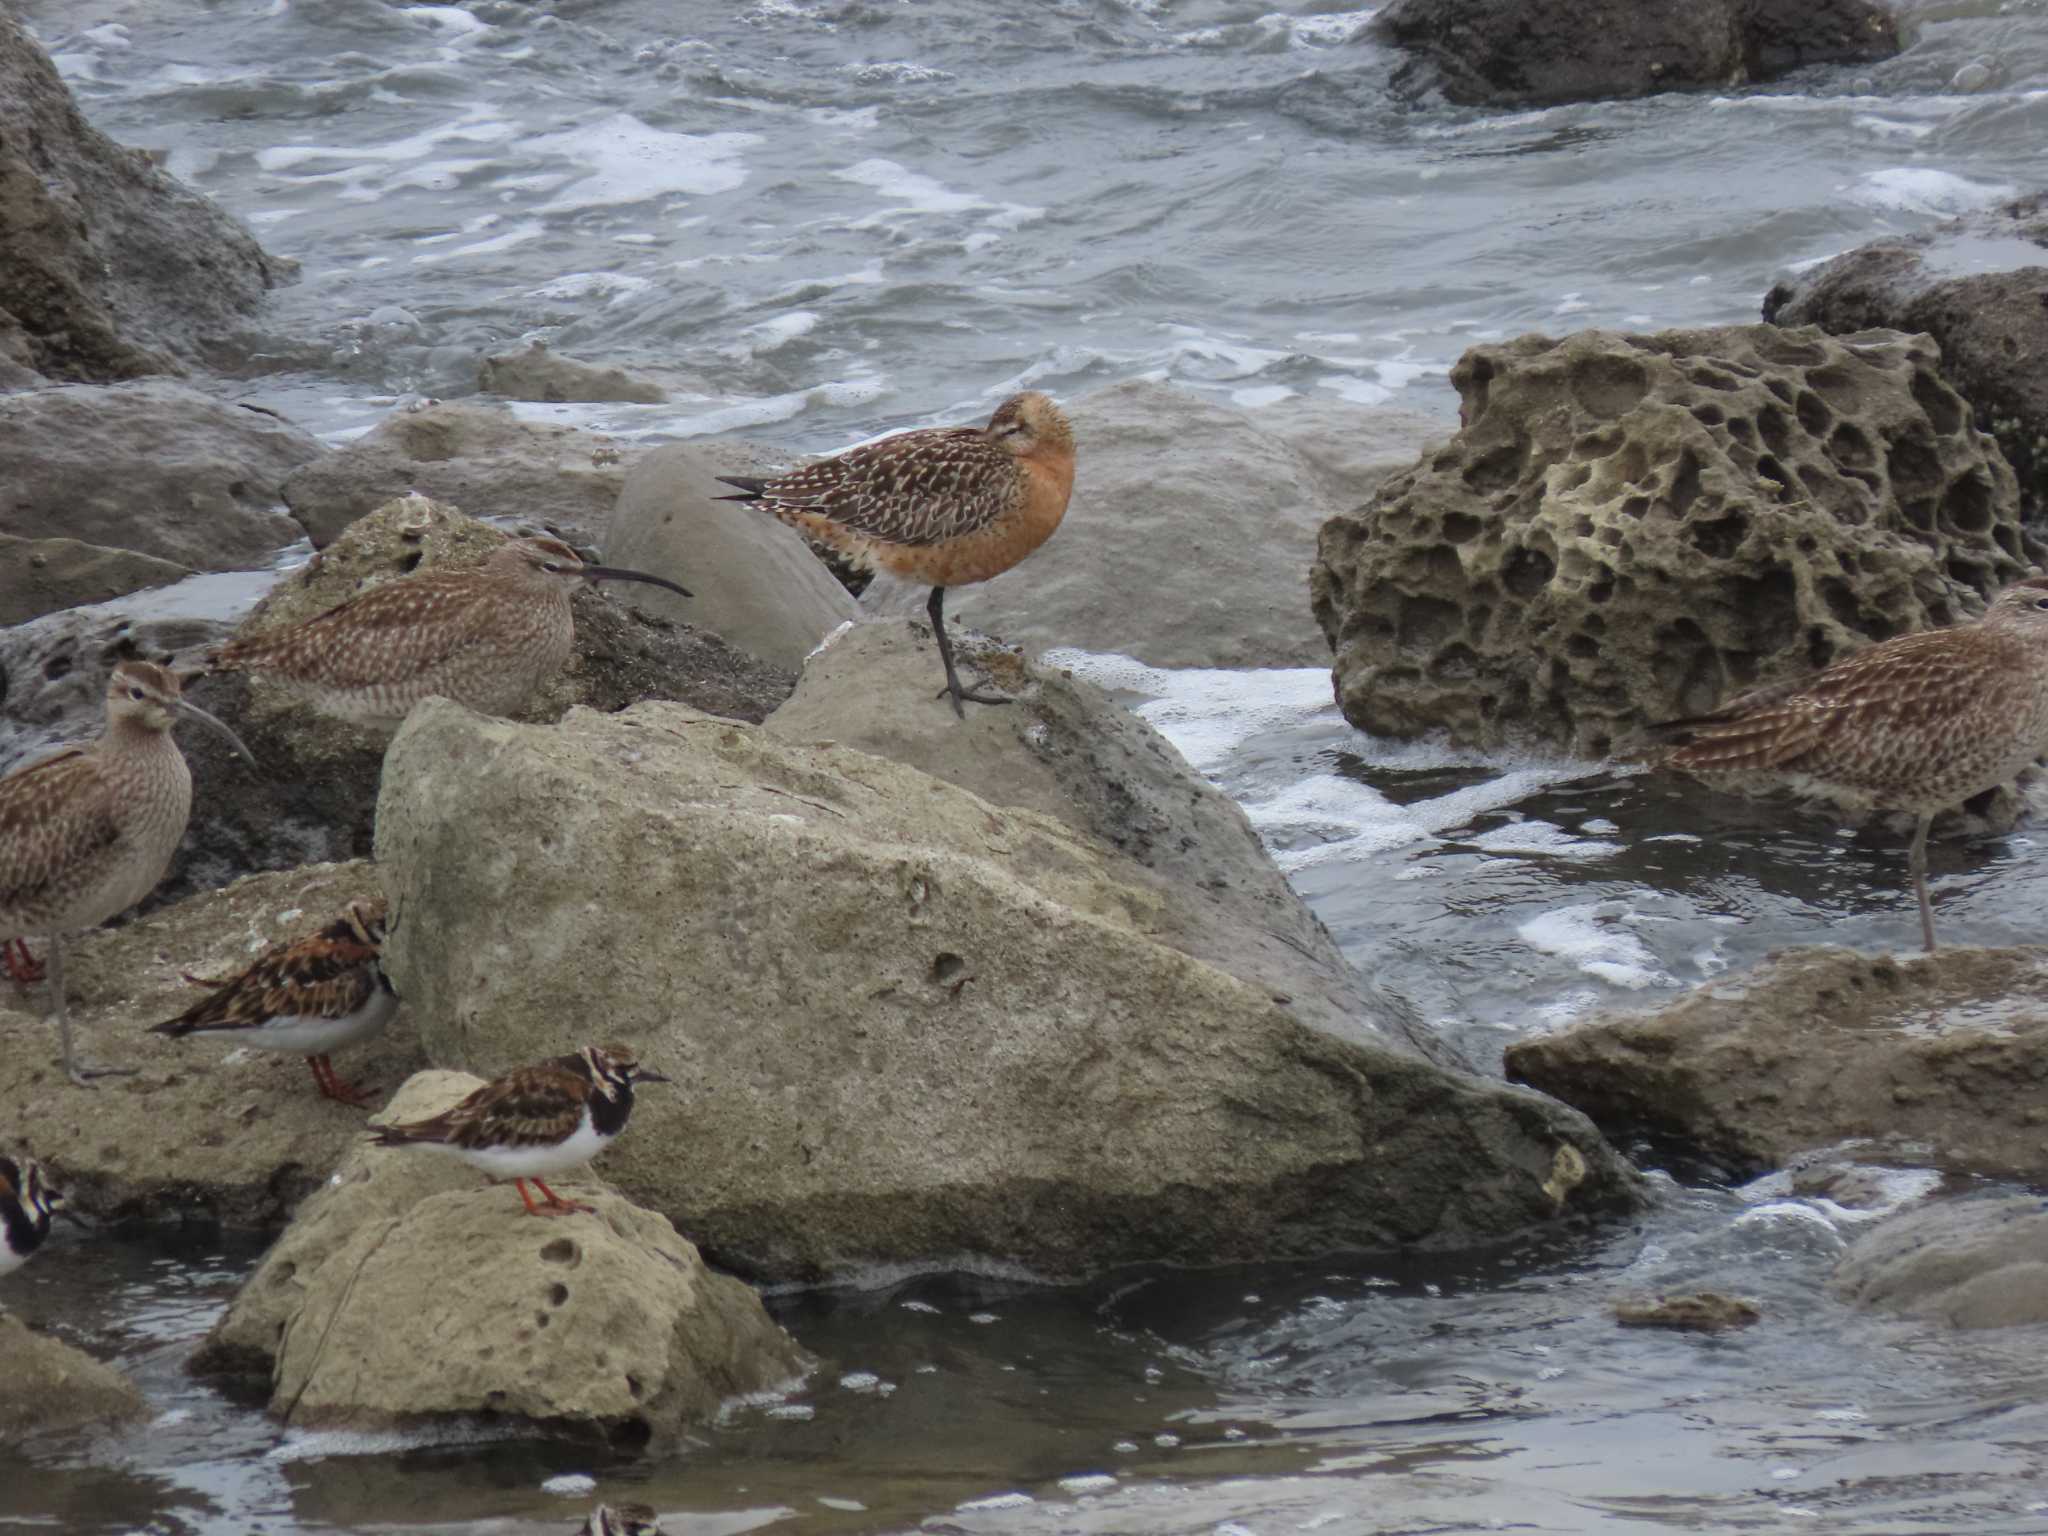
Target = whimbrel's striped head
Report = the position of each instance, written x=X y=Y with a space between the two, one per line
x=556 y=561
x=142 y=696
x=2022 y=606
x=1031 y=426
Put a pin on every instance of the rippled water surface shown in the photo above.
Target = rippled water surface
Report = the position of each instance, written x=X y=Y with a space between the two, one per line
x=820 y=220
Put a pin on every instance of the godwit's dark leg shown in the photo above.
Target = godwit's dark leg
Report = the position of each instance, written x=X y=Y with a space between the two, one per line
x=937 y=609
x=557 y=1204
x=1917 y=862
x=24 y=970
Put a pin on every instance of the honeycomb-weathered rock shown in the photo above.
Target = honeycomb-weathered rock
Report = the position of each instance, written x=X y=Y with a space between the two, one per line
x=1630 y=528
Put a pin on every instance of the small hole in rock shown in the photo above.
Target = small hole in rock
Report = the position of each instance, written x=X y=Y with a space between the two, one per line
x=412 y=560
x=946 y=965
x=562 y=1250
x=557 y=1294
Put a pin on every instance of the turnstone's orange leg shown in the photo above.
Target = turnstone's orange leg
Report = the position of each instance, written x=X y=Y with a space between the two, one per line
x=27 y=968
x=557 y=1205
x=531 y=1208
x=332 y=1086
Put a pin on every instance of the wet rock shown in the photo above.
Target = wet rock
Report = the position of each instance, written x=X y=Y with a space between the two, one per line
x=538 y=374
x=603 y=1325
x=485 y=461
x=150 y=466
x=1209 y=511
x=756 y=583
x=1702 y=1312
x=1975 y=1263
x=1065 y=749
x=204 y=1128
x=909 y=1026
x=39 y=576
x=1533 y=52
x=52 y=1387
x=1933 y=1059
x=1629 y=528
x=1979 y=287
x=108 y=267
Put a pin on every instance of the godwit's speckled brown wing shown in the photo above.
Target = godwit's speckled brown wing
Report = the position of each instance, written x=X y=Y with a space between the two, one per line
x=530 y=1107
x=915 y=488
x=398 y=630
x=57 y=821
x=326 y=975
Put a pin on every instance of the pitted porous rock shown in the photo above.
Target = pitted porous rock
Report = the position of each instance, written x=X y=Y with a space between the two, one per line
x=1628 y=529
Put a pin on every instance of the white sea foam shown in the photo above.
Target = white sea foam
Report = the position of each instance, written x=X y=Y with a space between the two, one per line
x=1923 y=189
x=1592 y=936
x=629 y=162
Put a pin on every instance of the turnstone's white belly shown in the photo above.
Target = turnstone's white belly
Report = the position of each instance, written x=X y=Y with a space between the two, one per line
x=308 y=1034
x=534 y=1161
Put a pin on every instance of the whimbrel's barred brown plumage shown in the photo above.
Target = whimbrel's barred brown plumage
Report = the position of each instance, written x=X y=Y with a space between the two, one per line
x=1917 y=724
x=88 y=831
x=311 y=996
x=489 y=636
x=946 y=506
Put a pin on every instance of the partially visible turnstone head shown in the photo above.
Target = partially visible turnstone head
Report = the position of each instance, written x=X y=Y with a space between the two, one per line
x=613 y=1069
x=622 y=1520
x=27 y=1202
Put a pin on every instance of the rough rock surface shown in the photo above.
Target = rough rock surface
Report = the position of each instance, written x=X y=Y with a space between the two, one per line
x=538 y=374
x=1979 y=1263
x=1531 y=52
x=606 y=1325
x=151 y=466
x=756 y=583
x=485 y=461
x=53 y=1387
x=1936 y=1058
x=1979 y=287
x=108 y=267
x=39 y=576
x=205 y=1128
x=1065 y=749
x=908 y=1026
x=1631 y=528
x=1211 y=512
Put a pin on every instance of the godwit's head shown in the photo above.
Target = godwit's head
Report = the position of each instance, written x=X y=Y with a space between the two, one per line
x=555 y=561
x=142 y=696
x=1031 y=426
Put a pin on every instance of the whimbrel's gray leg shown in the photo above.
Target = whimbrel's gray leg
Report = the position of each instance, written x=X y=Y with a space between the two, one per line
x=73 y=1068
x=1917 y=862
x=937 y=609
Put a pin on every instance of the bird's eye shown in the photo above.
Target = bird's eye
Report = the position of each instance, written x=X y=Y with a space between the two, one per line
x=551 y=566
x=136 y=693
x=2041 y=602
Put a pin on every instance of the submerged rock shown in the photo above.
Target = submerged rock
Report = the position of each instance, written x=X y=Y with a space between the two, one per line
x=1979 y=286
x=52 y=1387
x=1974 y=1263
x=1534 y=52
x=482 y=460
x=204 y=1128
x=1628 y=529
x=39 y=576
x=108 y=267
x=152 y=466
x=911 y=1026
x=754 y=581
x=1934 y=1058
x=539 y=374
x=408 y=1289
x=1700 y=1312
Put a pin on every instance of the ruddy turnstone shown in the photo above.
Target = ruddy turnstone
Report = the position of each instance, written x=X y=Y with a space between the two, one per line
x=312 y=996
x=621 y=1520
x=536 y=1120
x=26 y=1205
x=943 y=505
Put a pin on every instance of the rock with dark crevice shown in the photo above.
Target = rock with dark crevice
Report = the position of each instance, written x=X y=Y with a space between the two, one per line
x=39 y=576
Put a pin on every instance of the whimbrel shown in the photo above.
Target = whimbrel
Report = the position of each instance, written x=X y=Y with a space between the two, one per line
x=489 y=636
x=88 y=831
x=311 y=996
x=536 y=1120
x=1917 y=724
x=942 y=505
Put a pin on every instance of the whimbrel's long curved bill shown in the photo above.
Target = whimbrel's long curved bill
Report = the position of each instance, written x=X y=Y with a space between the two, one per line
x=619 y=573
x=187 y=707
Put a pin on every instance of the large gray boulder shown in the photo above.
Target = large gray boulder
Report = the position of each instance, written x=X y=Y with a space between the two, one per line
x=1975 y=1263
x=108 y=267
x=1208 y=511
x=603 y=1325
x=1975 y=285
x=1534 y=52
x=482 y=459
x=1628 y=529
x=909 y=1026
x=755 y=583
x=1935 y=1057
x=151 y=466
x=39 y=576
